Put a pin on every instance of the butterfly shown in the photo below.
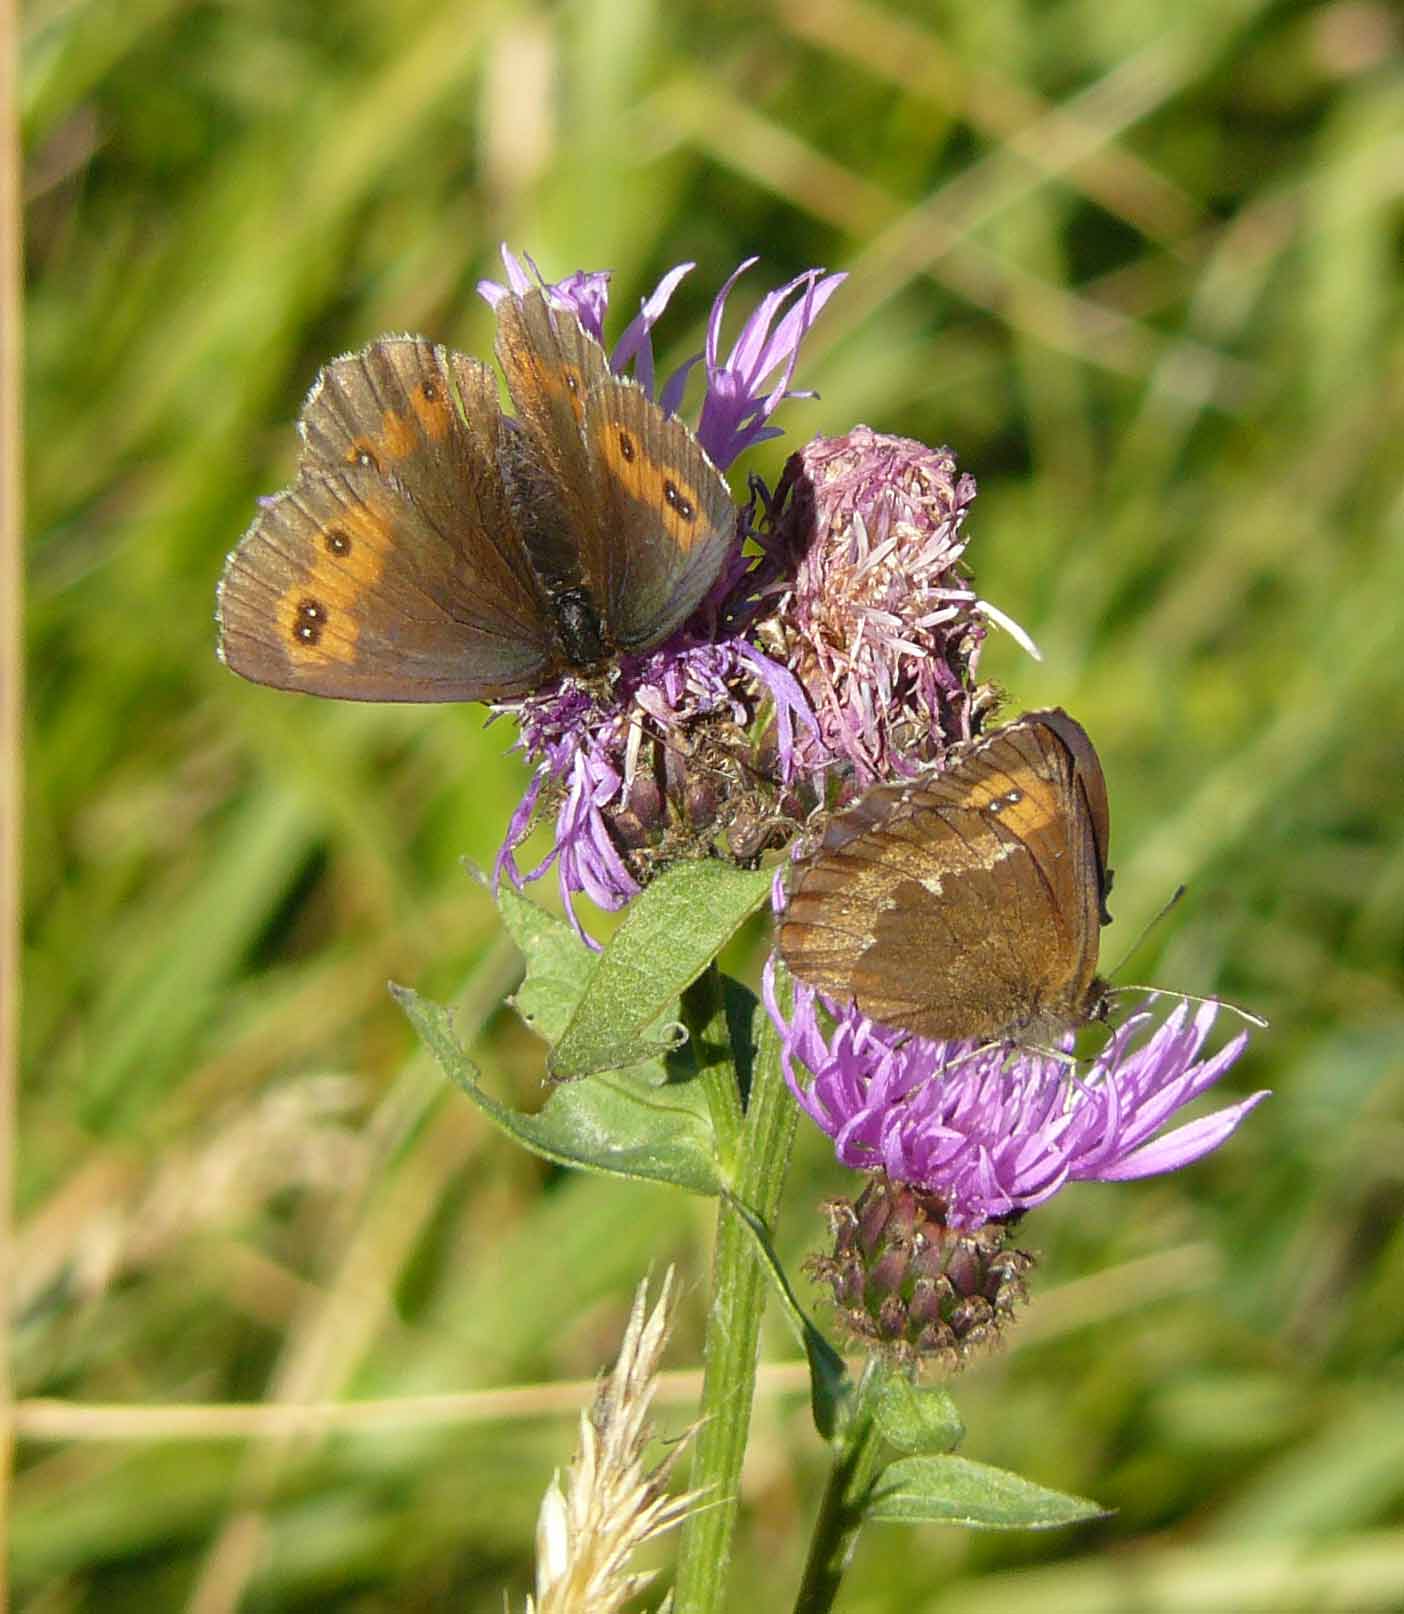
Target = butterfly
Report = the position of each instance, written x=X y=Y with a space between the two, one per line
x=432 y=548
x=969 y=904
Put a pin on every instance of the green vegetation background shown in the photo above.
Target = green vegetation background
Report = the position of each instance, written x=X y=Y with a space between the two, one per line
x=1140 y=267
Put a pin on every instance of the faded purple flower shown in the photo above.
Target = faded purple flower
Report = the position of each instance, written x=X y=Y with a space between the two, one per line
x=873 y=610
x=992 y=1130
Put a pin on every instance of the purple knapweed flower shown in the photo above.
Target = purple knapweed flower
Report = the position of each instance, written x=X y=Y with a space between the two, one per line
x=735 y=408
x=618 y=767
x=658 y=760
x=994 y=1130
x=873 y=609
x=584 y=293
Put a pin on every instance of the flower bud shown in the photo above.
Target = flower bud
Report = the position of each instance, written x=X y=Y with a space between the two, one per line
x=920 y=1290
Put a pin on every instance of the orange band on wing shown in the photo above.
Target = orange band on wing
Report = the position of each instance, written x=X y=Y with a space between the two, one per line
x=396 y=440
x=319 y=615
x=1024 y=799
x=435 y=414
x=667 y=493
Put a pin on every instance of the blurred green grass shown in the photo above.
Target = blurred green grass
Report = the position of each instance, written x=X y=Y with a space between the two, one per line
x=1140 y=267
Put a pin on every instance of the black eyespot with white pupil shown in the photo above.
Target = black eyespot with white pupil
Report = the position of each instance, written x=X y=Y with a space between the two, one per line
x=627 y=448
x=360 y=454
x=429 y=392
x=678 y=502
x=311 y=619
x=337 y=542
x=1011 y=798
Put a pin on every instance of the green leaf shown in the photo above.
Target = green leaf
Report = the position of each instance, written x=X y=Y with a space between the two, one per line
x=620 y=1126
x=558 y=964
x=673 y=930
x=953 y=1490
x=915 y=1418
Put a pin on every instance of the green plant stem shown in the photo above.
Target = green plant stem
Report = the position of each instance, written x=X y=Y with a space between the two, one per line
x=857 y=1461
x=733 y=1331
x=704 y=1015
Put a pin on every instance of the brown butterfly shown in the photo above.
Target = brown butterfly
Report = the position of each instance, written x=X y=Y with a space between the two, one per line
x=967 y=905
x=432 y=548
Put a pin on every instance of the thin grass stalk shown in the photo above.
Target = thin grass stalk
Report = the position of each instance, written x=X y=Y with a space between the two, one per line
x=11 y=699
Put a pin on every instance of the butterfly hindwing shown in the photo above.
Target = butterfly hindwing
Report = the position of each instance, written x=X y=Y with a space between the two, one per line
x=342 y=588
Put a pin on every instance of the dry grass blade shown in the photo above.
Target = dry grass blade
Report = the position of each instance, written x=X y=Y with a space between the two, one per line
x=612 y=1503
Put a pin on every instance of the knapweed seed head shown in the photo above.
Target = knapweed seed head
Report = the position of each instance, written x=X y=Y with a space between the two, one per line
x=872 y=607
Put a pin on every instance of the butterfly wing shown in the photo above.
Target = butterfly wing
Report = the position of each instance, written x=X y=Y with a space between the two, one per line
x=668 y=508
x=635 y=506
x=393 y=568
x=1090 y=785
x=552 y=363
x=967 y=906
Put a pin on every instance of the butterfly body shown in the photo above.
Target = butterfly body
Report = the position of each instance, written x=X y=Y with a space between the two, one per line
x=967 y=905
x=433 y=548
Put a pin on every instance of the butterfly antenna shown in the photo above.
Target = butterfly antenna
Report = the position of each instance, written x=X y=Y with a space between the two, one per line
x=1146 y=929
x=1188 y=997
x=1191 y=997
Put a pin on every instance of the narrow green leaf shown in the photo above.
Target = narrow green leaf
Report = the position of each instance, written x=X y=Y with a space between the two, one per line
x=620 y=1126
x=917 y=1418
x=673 y=930
x=830 y=1387
x=953 y=1490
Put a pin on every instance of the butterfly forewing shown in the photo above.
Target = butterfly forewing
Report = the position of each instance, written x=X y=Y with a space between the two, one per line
x=668 y=506
x=428 y=423
x=622 y=491
x=551 y=362
x=391 y=570
x=967 y=905
x=1092 y=784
